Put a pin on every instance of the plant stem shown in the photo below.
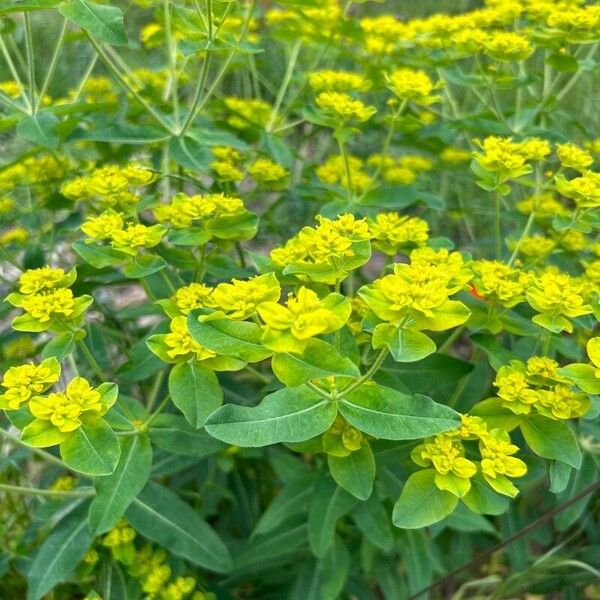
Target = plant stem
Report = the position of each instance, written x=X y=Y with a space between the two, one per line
x=53 y=64
x=287 y=78
x=155 y=414
x=30 y=60
x=14 y=72
x=38 y=451
x=372 y=370
x=50 y=493
x=91 y=360
x=497 y=225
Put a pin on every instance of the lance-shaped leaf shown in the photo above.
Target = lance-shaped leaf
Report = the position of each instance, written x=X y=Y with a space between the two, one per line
x=288 y=415
x=103 y=22
x=551 y=439
x=386 y=413
x=114 y=493
x=162 y=516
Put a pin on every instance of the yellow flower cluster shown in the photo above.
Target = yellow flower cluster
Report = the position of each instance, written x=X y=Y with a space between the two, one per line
x=181 y=346
x=309 y=23
x=46 y=299
x=413 y=86
x=333 y=171
x=129 y=237
x=392 y=232
x=572 y=156
x=11 y=89
x=24 y=381
x=120 y=541
x=344 y=107
x=584 y=190
x=499 y=282
x=341 y=439
x=538 y=386
x=240 y=299
x=453 y=471
x=65 y=410
x=265 y=171
x=326 y=252
x=245 y=113
x=339 y=81
x=36 y=171
x=111 y=185
x=545 y=206
x=420 y=293
x=304 y=316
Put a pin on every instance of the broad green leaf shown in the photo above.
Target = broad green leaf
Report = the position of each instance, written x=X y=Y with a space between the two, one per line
x=40 y=129
x=98 y=256
x=482 y=499
x=318 y=360
x=413 y=546
x=231 y=338
x=355 y=472
x=385 y=413
x=114 y=493
x=421 y=503
x=584 y=377
x=175 y=435
x=329 y=503
x=92 y=449
x=144 y=265
x=405 y=344
x=60 y=553
x=103 y=22
x=195 y=391
x=163 y=517
x=465 y=519
x=288 y=415
x=551 y=439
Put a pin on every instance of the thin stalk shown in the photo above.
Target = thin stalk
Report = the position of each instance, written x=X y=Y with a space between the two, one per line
x=171 y=51
x=372 y=370
x=124 y=83
x=287 y=78
x=53 y=64
x=155 y=414
x=525 y=233
x=17 y=489
x=497 y=225
x=156 y=385
x=346 y=161
x=91 y=360
x=13 y=71
x=86 y=75
x=37 y=451
x=30 y=59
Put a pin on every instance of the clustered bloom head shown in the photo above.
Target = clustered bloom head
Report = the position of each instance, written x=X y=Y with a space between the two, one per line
x=413 y=86
x=453 y=471
x=344 y=107
x=304 y=316
x=537 y=386
x=24 y=381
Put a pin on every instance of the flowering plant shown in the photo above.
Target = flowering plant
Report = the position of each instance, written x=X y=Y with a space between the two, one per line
x=310 y=295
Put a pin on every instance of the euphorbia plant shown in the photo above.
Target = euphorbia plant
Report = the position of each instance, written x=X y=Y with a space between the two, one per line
x=295 y=295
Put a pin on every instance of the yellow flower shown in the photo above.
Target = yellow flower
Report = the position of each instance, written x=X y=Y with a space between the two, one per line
x=11 y=88
x=563 y=403
x=195 y=295
x=593 y=350
x=264 y=170
x=498 y=464
x=497 y=280
x=34 y=281
x=413 y=86
x=507 y=46
x=339 y=81
x=393 y=232
x=15 y=235
x=103 y=226
x=343 y=106
x=585 y=190
x=23 y=381
x=226 y=171
x=574 y=157
x=502 y=156
x=515 y=391
x=47 y=304
x=446 y=454
x=304 y=316
x=246 y=113
x=65 y=409
x=341 y=439
x=135 y=236
x=181 y=344
x=240 y=299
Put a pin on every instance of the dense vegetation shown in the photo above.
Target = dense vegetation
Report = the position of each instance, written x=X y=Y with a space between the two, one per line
x=301 y=299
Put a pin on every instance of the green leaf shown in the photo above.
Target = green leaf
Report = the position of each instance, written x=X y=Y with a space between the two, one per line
x=114 y=493
x=405 y=344
x=355 y=472
x=98 y=256
x=373 y=520
x=60 y=553
x=421 y=503
x=195 y=391
x=144 y=265
x=175 y=435
x=329 y=503
x=551 y=439
x=231 y=338
x=288 y=415
x=92 y=449
x=482 y=499
x=584 y=377
x=163 y=517
x=39 y=129
x=103 y=22
x=318 y=360
x=386 y=413
x=562 y=62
